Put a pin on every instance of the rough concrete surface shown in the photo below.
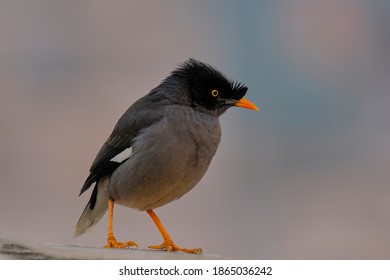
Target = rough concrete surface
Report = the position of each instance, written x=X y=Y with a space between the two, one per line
x=16 y=247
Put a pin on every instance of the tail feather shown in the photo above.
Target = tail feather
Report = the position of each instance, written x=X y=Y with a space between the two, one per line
x=95 y=209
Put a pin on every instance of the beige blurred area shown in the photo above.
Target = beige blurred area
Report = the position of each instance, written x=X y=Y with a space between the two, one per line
x=307 y=177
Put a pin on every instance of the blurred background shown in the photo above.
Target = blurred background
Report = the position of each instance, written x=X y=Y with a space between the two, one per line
x=307 y=177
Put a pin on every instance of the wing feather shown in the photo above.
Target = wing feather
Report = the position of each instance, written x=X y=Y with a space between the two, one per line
x=137 y=118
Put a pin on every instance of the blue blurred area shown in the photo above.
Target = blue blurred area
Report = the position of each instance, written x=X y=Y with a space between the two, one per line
x=306 y=177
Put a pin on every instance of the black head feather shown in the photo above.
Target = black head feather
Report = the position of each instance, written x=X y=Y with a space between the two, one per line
x=201 y=80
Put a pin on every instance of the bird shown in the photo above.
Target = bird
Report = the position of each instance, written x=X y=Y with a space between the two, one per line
x=160 y=148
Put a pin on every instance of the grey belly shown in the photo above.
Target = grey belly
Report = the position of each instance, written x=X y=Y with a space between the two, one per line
x=163 y=174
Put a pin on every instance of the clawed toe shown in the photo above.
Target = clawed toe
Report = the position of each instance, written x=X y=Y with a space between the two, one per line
x=113 y=243
x=170 y=246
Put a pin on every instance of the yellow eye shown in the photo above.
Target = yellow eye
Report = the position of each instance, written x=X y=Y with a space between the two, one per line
x=214 y=92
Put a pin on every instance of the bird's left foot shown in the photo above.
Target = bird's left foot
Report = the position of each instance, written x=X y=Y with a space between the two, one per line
x=170 y=246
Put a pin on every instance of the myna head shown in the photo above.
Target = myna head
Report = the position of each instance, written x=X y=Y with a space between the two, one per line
x=209 y=89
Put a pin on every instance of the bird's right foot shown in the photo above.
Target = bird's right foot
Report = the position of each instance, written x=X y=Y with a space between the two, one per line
x=113 y=243
x=169 y=246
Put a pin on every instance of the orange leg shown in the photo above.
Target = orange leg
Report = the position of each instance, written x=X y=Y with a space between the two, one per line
x=168 y=243
x=111 y=240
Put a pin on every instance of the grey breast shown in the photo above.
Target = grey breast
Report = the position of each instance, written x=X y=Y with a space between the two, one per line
x=168 y=159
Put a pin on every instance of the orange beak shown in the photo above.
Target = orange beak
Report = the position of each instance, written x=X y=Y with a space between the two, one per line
x=245 y=103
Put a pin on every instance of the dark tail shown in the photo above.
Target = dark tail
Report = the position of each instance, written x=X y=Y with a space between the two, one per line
x=95 y=209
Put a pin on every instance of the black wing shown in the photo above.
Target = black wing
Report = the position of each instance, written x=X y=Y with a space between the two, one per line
x=138 y=117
